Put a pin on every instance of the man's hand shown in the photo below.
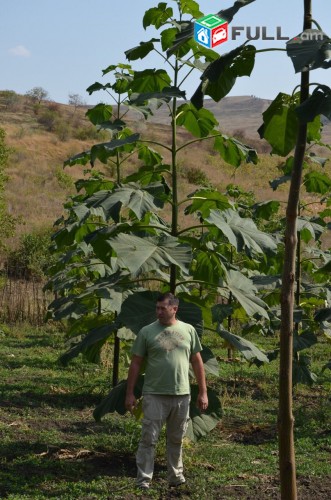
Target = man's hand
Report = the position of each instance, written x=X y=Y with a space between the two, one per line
x=199 y=372
x=130 y=402
x=202 y=401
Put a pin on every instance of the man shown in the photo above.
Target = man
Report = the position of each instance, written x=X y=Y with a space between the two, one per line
x=167 y=346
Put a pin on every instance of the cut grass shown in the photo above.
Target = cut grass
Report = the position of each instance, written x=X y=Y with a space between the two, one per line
x=52 y=447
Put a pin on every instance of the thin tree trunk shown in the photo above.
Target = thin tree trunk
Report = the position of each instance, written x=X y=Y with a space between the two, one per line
x=285 y=415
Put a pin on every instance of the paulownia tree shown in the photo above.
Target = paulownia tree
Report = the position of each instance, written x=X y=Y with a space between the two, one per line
x=114 y=245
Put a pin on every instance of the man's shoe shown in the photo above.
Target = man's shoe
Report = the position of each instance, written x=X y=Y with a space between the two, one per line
x=143 y=486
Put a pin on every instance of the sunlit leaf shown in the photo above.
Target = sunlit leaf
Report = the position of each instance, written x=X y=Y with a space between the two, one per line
x=157 y=16
x=141 y=255
x=199 y=122
x=309 y=229
x=317 y=182
x=100 y=113
x=130 y=196
x=233 y=151
x=245 y=292
x=241 y=233
x=150 y=80
x=204 y=200
x=280 y=124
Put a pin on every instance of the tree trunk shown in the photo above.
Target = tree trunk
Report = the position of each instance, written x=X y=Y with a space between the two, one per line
x=285 y=415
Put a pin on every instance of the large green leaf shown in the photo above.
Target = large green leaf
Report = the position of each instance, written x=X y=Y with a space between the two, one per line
x=204 y=200
x=164 y=95
x=280 y=124
x=302 y=373
x=201 y=424
x=316 y=182
x=266 y=209
x=115 y=401
x=211 y=364
x=199 y=122
x=100 y=113
x=103 y=151
x=157 y=16
x=245 y=347
x=131 y=196
x=303 y=341
x=141 y=50
x=150 y=80
x=323 y=314
x=220 y=76
x=138 y=310
x=245 y=292
x=309 y=229
x=142 y=255
x=191 y=7
x=94 y=339
x=309 y=50
x=208 y=267
x=319 y=103
x=241 y=233
x=233 y=151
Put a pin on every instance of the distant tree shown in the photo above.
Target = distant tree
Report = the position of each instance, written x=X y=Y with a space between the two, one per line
x=75 y=100
x=37 y=94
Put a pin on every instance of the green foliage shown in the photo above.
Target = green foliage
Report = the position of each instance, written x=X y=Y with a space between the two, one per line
x=195 y=175
x=37 y=94
x=7 y=221
x=32 y=257
x=113 y=247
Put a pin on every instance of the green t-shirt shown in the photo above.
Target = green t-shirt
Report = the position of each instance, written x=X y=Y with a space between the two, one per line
x=167 y=351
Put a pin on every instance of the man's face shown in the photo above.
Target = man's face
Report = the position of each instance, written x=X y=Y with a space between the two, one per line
x=165 y=312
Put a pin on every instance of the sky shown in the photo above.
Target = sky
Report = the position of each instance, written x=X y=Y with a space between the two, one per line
x=63 y=45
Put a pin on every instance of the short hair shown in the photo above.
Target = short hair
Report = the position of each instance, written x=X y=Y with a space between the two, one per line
x=173 y=301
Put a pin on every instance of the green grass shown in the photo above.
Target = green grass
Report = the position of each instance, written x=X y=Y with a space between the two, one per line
x=52 y=447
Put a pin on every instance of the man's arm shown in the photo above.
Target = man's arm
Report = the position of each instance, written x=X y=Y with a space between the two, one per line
x=199 y=372
x=134 y=370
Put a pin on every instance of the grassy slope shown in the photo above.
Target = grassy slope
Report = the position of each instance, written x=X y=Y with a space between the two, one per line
x=38 y=186
x=50 y=445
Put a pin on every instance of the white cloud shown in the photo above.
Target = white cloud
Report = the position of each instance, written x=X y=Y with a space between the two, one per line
x=20 y=51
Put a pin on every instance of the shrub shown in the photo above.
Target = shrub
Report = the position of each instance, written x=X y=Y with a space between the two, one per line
x=33 y=257
x=195 y=175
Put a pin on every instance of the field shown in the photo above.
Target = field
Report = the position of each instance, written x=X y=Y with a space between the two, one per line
x=51 y=447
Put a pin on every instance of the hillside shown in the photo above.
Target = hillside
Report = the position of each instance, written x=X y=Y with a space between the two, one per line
x=43 y=137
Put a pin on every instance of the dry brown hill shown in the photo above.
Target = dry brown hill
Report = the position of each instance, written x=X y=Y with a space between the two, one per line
x=43 y=136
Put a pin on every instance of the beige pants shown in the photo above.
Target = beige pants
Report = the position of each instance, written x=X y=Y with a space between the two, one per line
x=174 y=412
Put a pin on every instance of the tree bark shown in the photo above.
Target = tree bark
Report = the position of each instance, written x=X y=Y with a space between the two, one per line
x=285 y=415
